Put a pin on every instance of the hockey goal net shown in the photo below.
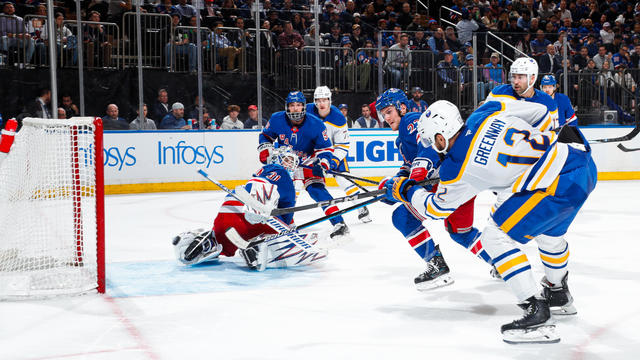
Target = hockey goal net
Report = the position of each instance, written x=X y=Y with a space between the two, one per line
x=52 y=210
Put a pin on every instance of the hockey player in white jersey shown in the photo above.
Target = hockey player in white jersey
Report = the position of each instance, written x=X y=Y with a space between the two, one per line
x=549 y=175
x=523 y=75
x=339 y=134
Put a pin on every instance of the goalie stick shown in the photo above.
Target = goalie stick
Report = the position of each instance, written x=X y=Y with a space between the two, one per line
x=626 y=149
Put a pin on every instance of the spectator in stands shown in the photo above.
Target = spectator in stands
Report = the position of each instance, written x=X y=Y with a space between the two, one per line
x=194 y=112
x=61 y=113
x=39 y=108
x=229 y=10
x=405 y=18
x=231 y=121
x=299 y=23
x=235 y=36
x=175 y=119
x=310 y=38
x=524 y=21
x=357 y=40
x=333 y=39
x=398 y=61
x=466 y=80
x=366 y=60
x=117 y=9
x=545 y=9
x=224 y=48
x=65 y=40
x=452 y=40
x=466 y=26
x=606 y=34
x=562 y=11
x=365 y=121
x=416 y=23
x=165 y=8
x=290 y=38
x=448 y=77
x=419 y=41
x=185 y=10
x=344 y=109
x=38 y=31
x=13 y=34
x=179 y=45
x=417 y=104
x=601 y=57
x=69 y=107
x=493 y=72
x=252 y=120
x=97 y=42
x=591 y=45
x=581 y=59
x=113 y=114
x=524 y=45
x=550 y=62
x=161 y=107
x=625 y=79
x=347 y=62
x=147 y=124
x=437 y=43
x=539 y=44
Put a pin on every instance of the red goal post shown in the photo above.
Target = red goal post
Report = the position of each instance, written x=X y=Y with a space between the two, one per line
x=52 y=210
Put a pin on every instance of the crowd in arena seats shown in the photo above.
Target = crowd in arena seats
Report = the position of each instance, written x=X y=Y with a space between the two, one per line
x=603 y=37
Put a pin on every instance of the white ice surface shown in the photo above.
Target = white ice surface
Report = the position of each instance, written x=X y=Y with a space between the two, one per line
x=359 y=304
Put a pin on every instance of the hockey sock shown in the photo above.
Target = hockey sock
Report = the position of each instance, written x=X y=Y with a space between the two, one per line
x=554 y=253
x=471 y=240
x=319 y=192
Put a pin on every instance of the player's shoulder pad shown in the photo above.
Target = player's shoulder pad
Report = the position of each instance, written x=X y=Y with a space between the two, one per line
x=311 y=108
x=481 y=113
x=543 y=98
x=278 y=116
x=504 y=91
x=335 y=117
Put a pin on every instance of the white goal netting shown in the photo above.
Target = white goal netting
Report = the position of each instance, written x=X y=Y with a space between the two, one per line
x=48 y=222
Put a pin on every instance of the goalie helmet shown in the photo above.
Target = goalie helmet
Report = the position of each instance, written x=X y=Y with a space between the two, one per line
x=295 y=97
x=526 y=66
x=322 y=92
x=443 y=118
x=285 y=157
x=392 y=97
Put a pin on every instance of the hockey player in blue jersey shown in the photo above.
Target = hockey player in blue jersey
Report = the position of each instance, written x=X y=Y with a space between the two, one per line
x=566 y=114
x=308 y=137
x=339 y=134
x=548 y=176
x=523 y=75
x=392 y=106
x=272 y=186
x=421 y=162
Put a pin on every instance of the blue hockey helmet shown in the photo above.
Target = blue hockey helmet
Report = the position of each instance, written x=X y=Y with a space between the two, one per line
x=548 y=80
x=391 y=97
x=295 y=97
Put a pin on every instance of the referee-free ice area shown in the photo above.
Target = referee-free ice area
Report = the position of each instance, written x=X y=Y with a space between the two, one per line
x=358 y=304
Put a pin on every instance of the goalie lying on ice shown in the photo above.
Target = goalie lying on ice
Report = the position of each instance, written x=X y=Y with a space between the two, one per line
x=273 y=187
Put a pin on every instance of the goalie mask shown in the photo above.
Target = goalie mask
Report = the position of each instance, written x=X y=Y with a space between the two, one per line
x=285 y=157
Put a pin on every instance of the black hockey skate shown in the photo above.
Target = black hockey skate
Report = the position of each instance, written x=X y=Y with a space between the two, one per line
x=559 y=297
x=534 y=327
x=436 y=275
x=363 y=215
x=339 y=229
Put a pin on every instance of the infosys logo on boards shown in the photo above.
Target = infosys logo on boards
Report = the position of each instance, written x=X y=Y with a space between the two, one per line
x=112 y=156
x=374 y=151
x=183 y=153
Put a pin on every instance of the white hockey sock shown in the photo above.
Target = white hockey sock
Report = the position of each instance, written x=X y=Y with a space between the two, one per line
x=554 y=253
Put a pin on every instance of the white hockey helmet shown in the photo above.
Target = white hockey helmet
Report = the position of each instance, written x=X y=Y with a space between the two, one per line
x=322 y=92
x=441 y=117
x=527 y=66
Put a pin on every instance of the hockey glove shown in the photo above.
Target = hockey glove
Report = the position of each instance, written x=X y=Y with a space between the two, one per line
x=319 y=167
x=400 y=189
x=265 y=150
x=381 y=186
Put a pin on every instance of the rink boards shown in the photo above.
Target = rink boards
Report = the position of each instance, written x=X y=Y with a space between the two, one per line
x=164 y=160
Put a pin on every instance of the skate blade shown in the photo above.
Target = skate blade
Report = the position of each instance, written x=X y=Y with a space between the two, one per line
x=438 y=282
x=545 y=334
x=564 y=310
x=365 y=219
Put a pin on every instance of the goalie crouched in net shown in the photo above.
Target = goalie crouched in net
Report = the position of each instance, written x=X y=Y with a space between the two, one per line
x=272 y=186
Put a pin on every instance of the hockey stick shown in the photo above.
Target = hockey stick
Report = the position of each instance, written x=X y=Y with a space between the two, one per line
x=246 y=199
x=627 y=137
x=243 y=244
x=626 y=149
x=276 y=212
x=344 y=175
